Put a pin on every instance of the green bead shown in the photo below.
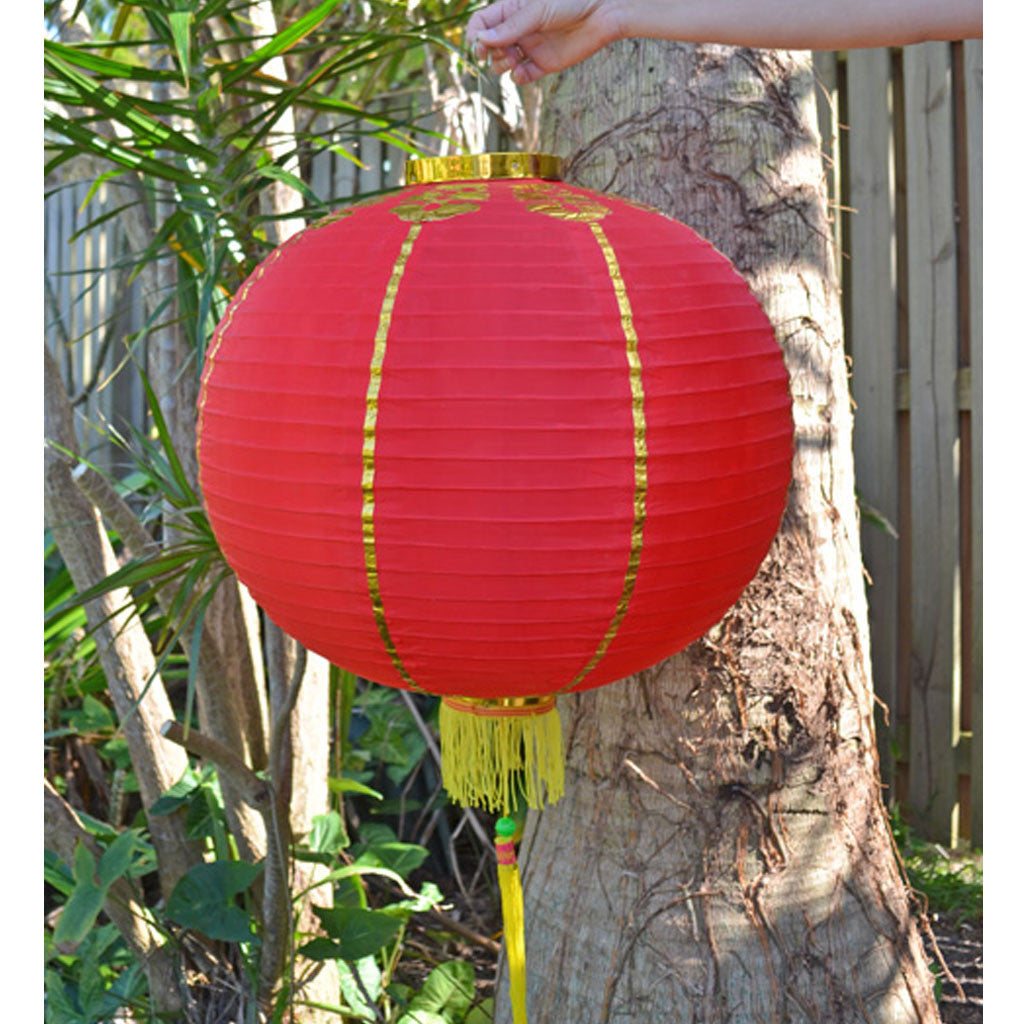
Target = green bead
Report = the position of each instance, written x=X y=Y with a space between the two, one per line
x=505 y=827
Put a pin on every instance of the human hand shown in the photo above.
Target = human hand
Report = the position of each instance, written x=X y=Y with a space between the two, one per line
x=532 y=38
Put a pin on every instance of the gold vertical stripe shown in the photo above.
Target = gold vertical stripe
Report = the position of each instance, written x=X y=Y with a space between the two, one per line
x=636 y=388
x=380 y=343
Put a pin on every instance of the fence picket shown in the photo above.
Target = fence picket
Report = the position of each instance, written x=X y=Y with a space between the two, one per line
x=973 y=90
x=320 y=176
x=872 y=340
x=934 y=713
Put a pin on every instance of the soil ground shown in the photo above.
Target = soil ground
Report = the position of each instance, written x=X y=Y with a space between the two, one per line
x=961 y=947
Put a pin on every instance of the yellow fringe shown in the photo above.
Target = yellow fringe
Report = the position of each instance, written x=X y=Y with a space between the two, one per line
x=515 y=944
x=487 y=760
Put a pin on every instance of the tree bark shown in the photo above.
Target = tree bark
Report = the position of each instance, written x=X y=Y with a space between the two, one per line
x=722 y=853
x=299 y=756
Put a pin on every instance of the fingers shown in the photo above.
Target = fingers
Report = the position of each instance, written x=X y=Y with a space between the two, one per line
x=507 y=58
x=500 y=34
x=505 y=22
x=518 y=61
x=526 y=72
x=487 y=17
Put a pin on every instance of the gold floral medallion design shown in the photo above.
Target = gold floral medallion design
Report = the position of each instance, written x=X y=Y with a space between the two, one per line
x=557 y=201
x=443 y=201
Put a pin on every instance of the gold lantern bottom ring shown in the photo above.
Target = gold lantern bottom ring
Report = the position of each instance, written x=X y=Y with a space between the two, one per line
x=497 y=752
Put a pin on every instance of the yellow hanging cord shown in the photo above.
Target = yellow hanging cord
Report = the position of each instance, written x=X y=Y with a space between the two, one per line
x=512 y=913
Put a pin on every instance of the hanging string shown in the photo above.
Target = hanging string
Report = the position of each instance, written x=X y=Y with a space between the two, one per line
x=512 y=912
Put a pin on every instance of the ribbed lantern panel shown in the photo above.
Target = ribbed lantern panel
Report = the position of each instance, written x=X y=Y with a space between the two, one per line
x=719 y=435
x=505 y=442
x=281 y=424
x=503 y=451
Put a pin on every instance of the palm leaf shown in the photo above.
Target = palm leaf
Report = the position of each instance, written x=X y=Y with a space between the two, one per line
x=99 y=145
x=122 y=110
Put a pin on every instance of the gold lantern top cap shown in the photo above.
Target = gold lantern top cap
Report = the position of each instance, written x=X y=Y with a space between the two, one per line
x=483 y=165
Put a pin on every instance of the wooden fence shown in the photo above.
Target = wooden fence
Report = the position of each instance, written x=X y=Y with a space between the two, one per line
x=901 y=136
x=91 y=308
x=902 y=132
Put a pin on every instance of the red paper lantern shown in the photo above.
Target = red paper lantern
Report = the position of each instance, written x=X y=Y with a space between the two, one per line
x=497 y=438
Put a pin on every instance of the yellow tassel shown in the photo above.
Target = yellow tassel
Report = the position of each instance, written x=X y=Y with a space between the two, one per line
x=493 y=751
x=512 y=914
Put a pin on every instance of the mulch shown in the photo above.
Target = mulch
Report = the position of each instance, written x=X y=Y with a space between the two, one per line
x=961 y=947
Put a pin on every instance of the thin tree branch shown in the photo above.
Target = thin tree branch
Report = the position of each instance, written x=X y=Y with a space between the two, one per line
x=456 y=927
x=248 y=785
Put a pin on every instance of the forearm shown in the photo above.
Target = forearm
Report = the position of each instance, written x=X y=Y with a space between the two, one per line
x=798 y=24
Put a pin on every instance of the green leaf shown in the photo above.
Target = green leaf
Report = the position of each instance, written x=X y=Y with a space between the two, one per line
x=109 y=149
x=164 y=434
x=373 y=833
x=139 y=570
x=105 y=67
x=93 y=716
x=448 y=992
x=203 y=899
x=370 y=975
x=180 y=23
x=177 y=796
x=482 y=1013
x=428 y=898
x=59 y=1008
x=358 y=932
x=57 y=874
x=356 y=871
x=284 y=40
x=402 y=858
x=349 y=892
x=873 y=516
x=425 y=1017
x=84 y=866
x=328 y=834
x=276 y=173
x=95 y=827
x=322 y=949
x=120 y=108
x=117 y=858
x=80 y=912
x=400 y=993
x=345 y=785
x=93 y=956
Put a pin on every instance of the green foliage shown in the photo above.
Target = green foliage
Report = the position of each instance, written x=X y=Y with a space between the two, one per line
x=177 y=111
x=367 y=941
x=951 y=882
x=446 y=996
x=204 y=900
x=355 y=933
x=199 y=795
x=90 y=985
x=92 y=883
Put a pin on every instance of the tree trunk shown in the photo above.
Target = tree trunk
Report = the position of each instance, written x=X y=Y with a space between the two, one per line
x=722 y=853
x=136 y=688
